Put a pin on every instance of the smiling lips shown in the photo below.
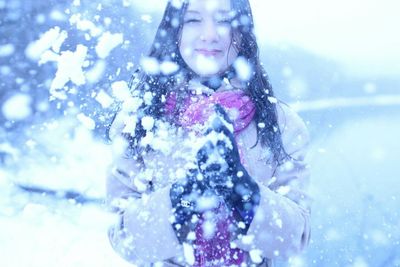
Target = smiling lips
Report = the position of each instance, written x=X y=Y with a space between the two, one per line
x=208 y=52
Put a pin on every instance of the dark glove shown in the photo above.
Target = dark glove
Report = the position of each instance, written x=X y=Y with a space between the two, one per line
x=184 y=195
x=219 y=163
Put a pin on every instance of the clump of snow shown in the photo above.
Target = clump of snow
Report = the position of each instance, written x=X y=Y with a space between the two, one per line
x=7 y=50
x=148 y=139
x=177 y=3
x=287 y=166
x=42 y=106
x=59 y=41
x=168 y=67
x=256 y=255
x=148 y=98
x=131 y=104
x=129 y=65
x=130 y=125
x=150 y=65
x=147 y=123
x=164 y=140
x=104 y=99
x=107 y=42
x=188 y=252
x=209 y=229
x=95 y=73
x=243 y=69
x=207 y=203
x=57 y=15
x=297 y=261
x=140 y=185
x=126 y=3
x=70 y=66
x=147 y=18
x=191 y=235
x=87 y=122
x=85 y=25
x=107 y=21
x=244 y=20
x=241 y=225
x=53 y=38
x=283 y=190
x=206 y=65
x=48 y=56
x=118 y=146
x=261 y=125
x=248 y=239
x=120 y=90
x=277 y=219
x=17 y=107
x=272 y=100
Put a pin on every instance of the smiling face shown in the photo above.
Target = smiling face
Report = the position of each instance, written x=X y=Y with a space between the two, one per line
x=206 y=41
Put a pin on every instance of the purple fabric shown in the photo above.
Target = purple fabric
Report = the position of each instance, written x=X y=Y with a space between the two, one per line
x=215 y=250
x=198 y=108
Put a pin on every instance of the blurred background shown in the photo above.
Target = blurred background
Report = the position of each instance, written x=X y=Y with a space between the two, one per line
x=62 y=64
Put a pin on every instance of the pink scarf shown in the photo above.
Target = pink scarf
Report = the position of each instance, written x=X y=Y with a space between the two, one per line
x=215 y=251
x=198 y=108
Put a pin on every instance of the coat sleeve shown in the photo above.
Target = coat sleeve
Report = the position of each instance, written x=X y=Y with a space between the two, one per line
x=143 y=233
x=281 y=226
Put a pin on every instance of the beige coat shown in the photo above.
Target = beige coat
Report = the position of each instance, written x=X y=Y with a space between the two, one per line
x=280 y=228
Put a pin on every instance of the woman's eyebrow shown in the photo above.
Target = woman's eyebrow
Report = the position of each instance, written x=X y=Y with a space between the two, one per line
x=225 y=14
x=221 y=11
x=193 y=11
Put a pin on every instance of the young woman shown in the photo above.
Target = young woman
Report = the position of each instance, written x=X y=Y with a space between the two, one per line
x=214 y=170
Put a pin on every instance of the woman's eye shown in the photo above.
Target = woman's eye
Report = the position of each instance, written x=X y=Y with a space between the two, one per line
x=192 y=21
x=225 y=21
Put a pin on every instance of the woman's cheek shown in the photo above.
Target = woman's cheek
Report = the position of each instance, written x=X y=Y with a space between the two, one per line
x=186 y=51
x=224 y=31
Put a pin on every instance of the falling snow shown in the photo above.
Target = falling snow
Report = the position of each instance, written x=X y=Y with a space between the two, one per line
x=107 y=42
x=65 y=70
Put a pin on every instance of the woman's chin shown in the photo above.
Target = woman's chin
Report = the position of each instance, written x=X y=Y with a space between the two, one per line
x=206 y=66
x=205 y=74
x=208 y=72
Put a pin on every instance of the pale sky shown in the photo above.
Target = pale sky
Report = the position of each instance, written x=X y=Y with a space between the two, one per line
x=363 y=35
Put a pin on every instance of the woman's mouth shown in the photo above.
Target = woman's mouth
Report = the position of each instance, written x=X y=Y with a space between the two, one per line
x=208 y=52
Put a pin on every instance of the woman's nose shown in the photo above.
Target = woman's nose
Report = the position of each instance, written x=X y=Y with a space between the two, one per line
x=209 y=32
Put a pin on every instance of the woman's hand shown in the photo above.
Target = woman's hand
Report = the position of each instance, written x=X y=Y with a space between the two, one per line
x=219 y=163
x=184 y=195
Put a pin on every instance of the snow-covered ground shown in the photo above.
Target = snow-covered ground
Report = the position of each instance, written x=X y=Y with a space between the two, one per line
x=48 y=230
x=356 y=193
x=56 y=233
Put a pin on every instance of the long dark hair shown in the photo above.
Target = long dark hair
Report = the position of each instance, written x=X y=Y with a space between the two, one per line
x=165 y=47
